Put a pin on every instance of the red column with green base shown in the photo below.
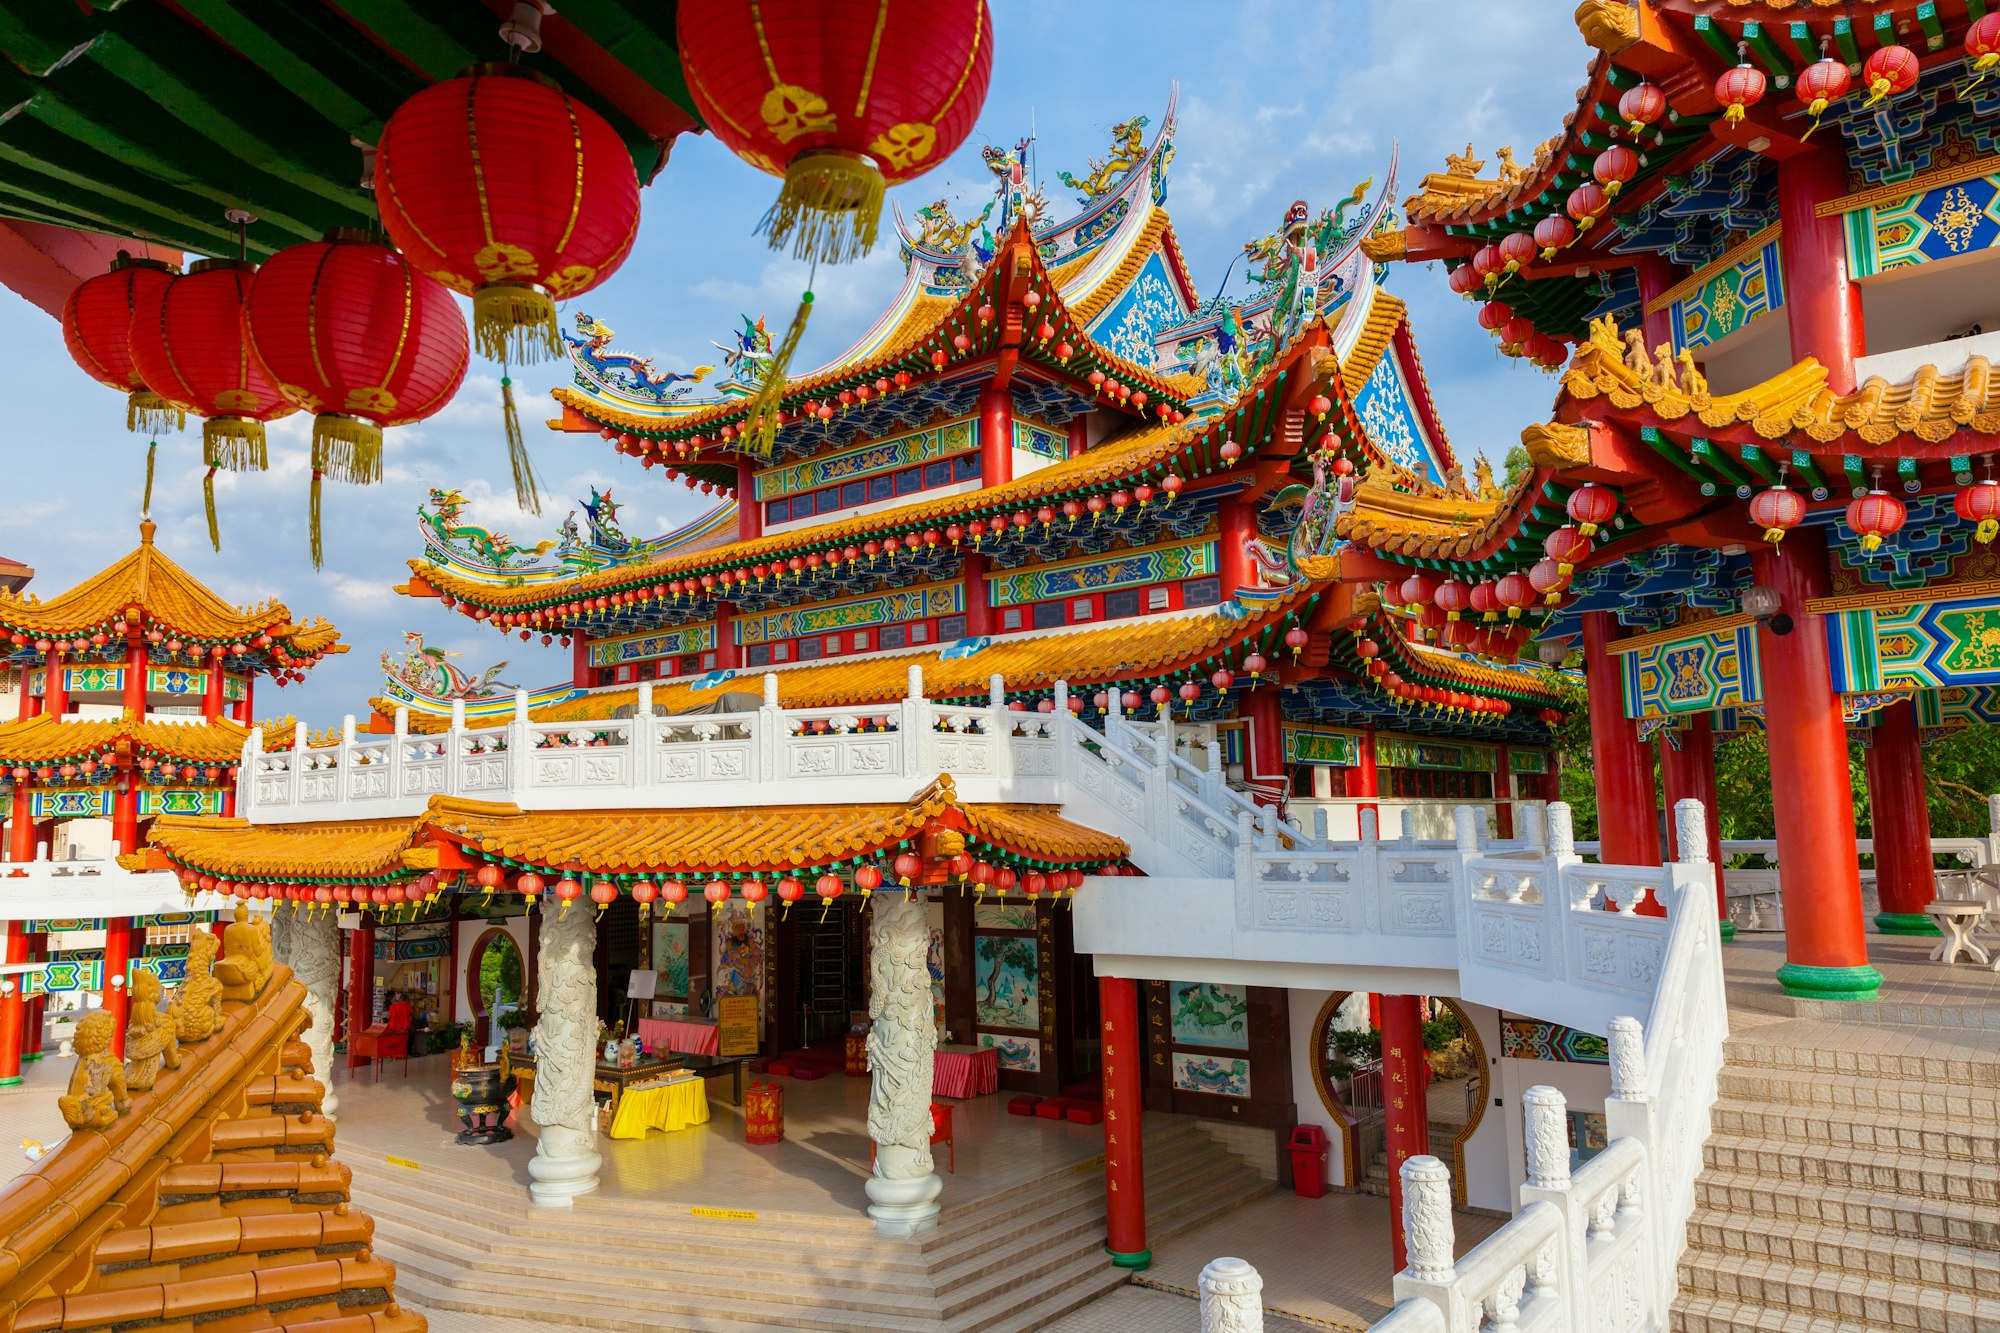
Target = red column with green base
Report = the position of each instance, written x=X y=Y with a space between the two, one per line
x=360 y=984
x=1124 y=1167
x=1900 y=815
x=1826 y=954
x=1687 y=772
x=1627 y=822
x=1406 y=1115
x=13 y=1009
x=117 y=977
x=1364 y=779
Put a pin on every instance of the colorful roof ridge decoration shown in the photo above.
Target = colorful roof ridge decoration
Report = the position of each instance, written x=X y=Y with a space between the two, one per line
x=212 y=1201
x=771 y=839
x=171 y=601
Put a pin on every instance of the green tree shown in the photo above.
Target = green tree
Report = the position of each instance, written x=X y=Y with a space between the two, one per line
x=1515 y=465
x=500 y=971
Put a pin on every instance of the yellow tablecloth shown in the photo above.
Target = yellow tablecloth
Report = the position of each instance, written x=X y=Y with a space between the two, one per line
x=675 y=1106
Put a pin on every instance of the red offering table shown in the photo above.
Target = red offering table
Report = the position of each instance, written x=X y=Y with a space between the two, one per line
x=688 y=1035
x=965 y=1071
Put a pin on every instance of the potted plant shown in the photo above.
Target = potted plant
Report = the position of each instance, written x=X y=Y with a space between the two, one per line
x=515 y=1023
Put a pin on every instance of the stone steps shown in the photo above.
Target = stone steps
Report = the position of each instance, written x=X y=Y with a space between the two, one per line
x=1908 y=1174
x=1858 y=1297
x=1717 y=1314
x=1888 y=1215
x=1861 y=1131
x=1967 y=1269
x=1947 y=1104
x=1870 y=1054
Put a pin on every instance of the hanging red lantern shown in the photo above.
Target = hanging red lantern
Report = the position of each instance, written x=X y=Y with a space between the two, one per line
x=568 y=890
x=529 y=885
x=1642 y=104
x=1416 y=591
x=1875 y=516
x=1296 y=639
x=790 y=890
x=828 y=887
x=1585 y=203
x=1367 y=648
x=1550 y=578
x=1515 y=593
x=755 y=891
x=1554 y=233
x=1517 y=248
x=908 y=866
x=189 y=347
x=1819 y=85
x=355 y=335
x=1889 y=72
x=506 y=189
x=838 y=100
x=1485 y=598
x=1494 y=315
x=603 y=893
x=674 y=892
x=1980 y=503
x=644 y=891
x=1453 y=597
x=1777 y=511
x=1592 y=506
x=1614 y=167
x=1739 y=89
x=1487 y=262
x=1514 y=334
x=1255 y=665
x=97 y=330
x=1464 y=280
x=1982 y=46
x=716 y=891
x=1568 y=547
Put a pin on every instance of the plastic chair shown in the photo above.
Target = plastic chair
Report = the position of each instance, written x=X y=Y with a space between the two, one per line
x=392 y=1046
x=941 y=1133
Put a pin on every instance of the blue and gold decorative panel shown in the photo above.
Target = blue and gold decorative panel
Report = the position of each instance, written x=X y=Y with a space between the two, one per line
x=1388 y=412
x=1533 y=1039
x=1311 y=745
x=1927 y=645
x=939 y=599
x=1409 y=752
x=1692 y=674
x=189 y=802
x=1958 y=706
x=1040 y=440
x=1754 y=285
x=177 y=680
x=1150 y=302
x=867 y=460
x=94 y=679
x=645 y=647
x=69 y=973
x=1159 y=564
x=1941 y=223
x=63 y=925
x=88 y=803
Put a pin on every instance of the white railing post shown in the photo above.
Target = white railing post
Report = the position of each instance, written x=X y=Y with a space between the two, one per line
x=1533 y=824
x=1232 y=1297
x=1690 y=830
x=454 y=750
x=1562 y=833
x=1319 y=825
x=772 y=733
x=1465 y=825
x=345 y=778
x=1369 y=818
x=397 y=745
x=520 y=757
x=246 y=770
x=1545 y=1116
x=1630 y=1112
x=300 y=736
x=1246 y=849
x=1429 y=1242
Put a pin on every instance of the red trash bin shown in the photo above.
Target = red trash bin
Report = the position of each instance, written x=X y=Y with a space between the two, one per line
x=1308 y=1145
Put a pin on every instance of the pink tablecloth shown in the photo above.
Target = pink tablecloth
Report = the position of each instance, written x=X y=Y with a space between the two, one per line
x=680 y=1034
x=965 y=1071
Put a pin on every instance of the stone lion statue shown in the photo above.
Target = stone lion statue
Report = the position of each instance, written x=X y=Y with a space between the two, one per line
x=247 y=966
x=197 y=1006
x=96 y=1096
x=151 y=1042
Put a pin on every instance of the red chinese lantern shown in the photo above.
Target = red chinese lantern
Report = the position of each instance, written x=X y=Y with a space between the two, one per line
x=1494 y=315
x=1739 y=89
x=674 y=892
x=644 y=891
x=838 y=100
x=189 y=347
x=1464 y=280
x=1980 y=503
x=755 y=891
x=604 y=893
x=568 y=890
x=97 y=329
x=1777 y=511
x=828 y=887
x=1568 y=547
x=1585 y=203
x=1417 y=591
x=1592 y=506
x=790 y=890
x=1486 y=600
x=908 y=866
x=1517 y=248
x=1550 y=578
x=1487 y=262
x=1819 y=85
x=529 y=886
x=1614 y=167
x=1982 y=45
x=1515 y=593
x=355 y=335
x=1296 y=639
x=507 y=189
x=1874 y=516
x=716 y=891
x=1891 y=71
x=1453 y=597
x=1514 y=334
x=1641 y=105
x=1554 y=233
x=1255 y=665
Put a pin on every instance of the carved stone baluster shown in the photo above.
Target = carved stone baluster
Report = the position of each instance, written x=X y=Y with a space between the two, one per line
x=1546 y=1118
x=904 y=1189
x=1427 y=1225
x=1370 y=822
x=1232 y=1298
x=1534 y=831
x=1562 y=832
x=565 y=1110
x=1628 y=1059
x=315 y=961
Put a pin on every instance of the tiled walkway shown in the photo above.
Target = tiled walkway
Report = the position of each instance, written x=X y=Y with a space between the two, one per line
x=28 y=1112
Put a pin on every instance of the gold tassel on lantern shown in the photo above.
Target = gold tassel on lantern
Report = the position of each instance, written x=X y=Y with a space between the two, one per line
x=208 y=503
x=146 y=505
x=347 y=448
x=761 y=423
x=147 y=411
x=312 y=516
x=515 y=322
x=527 y=494
x=830 y=207
x=234 y=443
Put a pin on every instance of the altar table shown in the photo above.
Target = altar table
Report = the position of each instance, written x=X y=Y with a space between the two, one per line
x=668 y=1106
x=693 y=1036
x=965 y=1071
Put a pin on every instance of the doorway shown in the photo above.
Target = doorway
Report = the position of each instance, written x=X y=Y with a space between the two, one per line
x=495 y=979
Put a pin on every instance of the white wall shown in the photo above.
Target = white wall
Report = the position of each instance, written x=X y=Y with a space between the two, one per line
x=1584 y=1086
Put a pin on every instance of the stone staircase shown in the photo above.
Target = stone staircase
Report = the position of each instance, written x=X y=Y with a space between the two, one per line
x=1015 y=1260
x=1852 y=1182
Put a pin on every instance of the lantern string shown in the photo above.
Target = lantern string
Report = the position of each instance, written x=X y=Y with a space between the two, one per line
x=527 y=494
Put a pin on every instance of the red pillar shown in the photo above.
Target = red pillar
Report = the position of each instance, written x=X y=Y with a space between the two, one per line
x=1264 y=754
x=20 y=827
x=978 y=603
x=28 y=704
x=1503 y=793
x=125 y=813
x=135 y=680
x=31 y=1036
x=55 y=689
x=579 y=661
x=1687 y=772
x=13 y=1009
x=1079 y=434
x=360 y=983
x=211 y=695
x=118 y=934
x=1627 y=822
x=245 y=707
x=1826 y=956
x=1364 y=779
x=1657 y=275
x=1405 y=1113
x=1822 y=304
x=1124 y=1168
x=1899 y=816
x=749 y=510
x=996 y=434
x=1237 y=524
x=727 y=655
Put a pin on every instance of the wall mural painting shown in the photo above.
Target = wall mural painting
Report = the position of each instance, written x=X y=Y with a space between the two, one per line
x=1205 y=1073
x=738 y=953
x=934 y=922
x=1209 y=1015
x=670 y=958
x=1023 y=1055
x=1008 y=982
x=1003 y=916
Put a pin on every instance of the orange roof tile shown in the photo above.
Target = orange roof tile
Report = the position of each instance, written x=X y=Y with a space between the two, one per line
x=47 y=739
x=238 y=849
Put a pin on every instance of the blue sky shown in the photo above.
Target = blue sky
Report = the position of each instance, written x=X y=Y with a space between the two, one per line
x=1277 y=102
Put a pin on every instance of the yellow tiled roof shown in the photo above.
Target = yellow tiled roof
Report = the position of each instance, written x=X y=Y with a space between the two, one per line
x=1113 y=461
x=172 y=597
x=238 y=849
x=33 y=740
x=1423 y=526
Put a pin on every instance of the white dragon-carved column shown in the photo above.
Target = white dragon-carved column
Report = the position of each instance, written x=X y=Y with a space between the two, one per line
x=566 y=1161
x=903 y=1192
x=1232 y=1297
x=312 y=949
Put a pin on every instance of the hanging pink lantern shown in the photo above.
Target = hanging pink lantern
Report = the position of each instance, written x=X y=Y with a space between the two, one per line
x=1548 y=578
x=1739 y=89
x=1777 y=511
x=1875 y=516
x=1518 y=249
x=1641 y=105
